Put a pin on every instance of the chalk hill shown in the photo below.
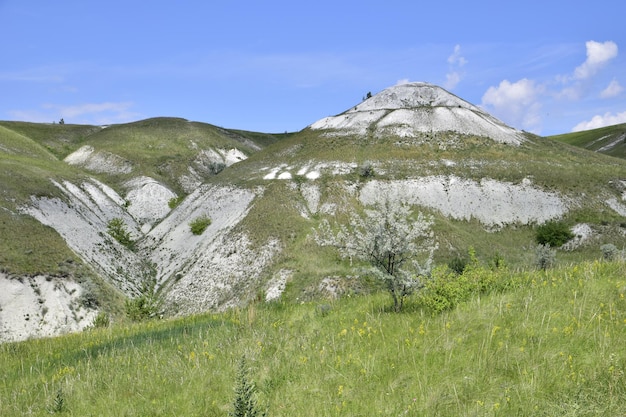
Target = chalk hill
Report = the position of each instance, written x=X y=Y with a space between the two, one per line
x=416 y=108
x=486 y=183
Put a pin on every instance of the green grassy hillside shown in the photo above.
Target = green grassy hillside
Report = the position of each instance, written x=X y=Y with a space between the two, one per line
x=610 y=140
x=541 y=344
x=31 y=155
x=164 y=148
x=26 y=168
x=550 y=165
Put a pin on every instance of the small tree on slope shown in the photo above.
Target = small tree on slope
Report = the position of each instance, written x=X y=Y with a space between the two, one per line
x=398 y=246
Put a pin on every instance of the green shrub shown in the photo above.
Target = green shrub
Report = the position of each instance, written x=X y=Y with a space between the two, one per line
x=553 y=234
x=245 y=404
x=216 y=167
x=101 y=320
x=609 y=252
x=199 y=224
x=545 y=257
x=174 y=202
x=141 y=308
x=366 y=170
x=117 y=228
x=445 y=289
x=442 y=291
x=457 y=264
x=497 y=261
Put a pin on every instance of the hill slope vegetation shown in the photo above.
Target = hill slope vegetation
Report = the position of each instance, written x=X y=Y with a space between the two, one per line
x=610 y=140
x=541 y=343
x=487 y=186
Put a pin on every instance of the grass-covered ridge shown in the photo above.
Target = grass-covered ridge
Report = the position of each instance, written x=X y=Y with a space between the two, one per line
x=541 y=343
x=31 y=156
x=26 y=169
x=163 y=147
x=609 y=140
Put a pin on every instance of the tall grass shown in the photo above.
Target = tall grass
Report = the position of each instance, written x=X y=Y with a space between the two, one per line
x=551 y=344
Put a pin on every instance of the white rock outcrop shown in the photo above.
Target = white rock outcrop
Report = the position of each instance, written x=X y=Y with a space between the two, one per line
x=148 y=201
x=41 y=306
x=99 y=161
x=411 y=109
x=493 y=203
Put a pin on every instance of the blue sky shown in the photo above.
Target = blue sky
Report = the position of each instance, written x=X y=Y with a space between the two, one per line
x=272 y=66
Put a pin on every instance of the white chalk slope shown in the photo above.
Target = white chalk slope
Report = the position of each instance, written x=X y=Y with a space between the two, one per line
x=426 y=111
x=408 y=110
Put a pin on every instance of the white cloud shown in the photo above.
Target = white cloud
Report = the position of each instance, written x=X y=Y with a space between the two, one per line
x=92 y=108
x=516 y=103
x=572 y=93
x=598 y=55
x=457 y=62
x=456 y=58
x=612 y=90
x=607 y=119
x=577 y=85
x=452 y=79
x=87 y=113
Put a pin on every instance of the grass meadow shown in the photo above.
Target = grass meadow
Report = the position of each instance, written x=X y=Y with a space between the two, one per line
x=540 y=343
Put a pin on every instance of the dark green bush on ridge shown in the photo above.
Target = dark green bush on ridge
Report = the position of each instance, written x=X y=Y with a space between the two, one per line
x=553 y=234
x=457 y=264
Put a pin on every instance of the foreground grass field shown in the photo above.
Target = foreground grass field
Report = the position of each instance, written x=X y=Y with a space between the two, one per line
x=535 y=343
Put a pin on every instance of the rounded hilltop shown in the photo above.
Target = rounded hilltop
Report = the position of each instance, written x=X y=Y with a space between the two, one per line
x=413 y=109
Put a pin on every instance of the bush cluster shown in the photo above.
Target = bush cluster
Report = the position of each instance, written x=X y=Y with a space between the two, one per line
x=446 y=288
x=609 y=252
x=366 y=170
x=457 y=264
x=174 y=202
x=553 y=234
x=545 y=257
x=199 y=224
x=117 y=229
x=141 y=308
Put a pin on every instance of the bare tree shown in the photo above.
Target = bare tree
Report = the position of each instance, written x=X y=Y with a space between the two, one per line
x=398 y=245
